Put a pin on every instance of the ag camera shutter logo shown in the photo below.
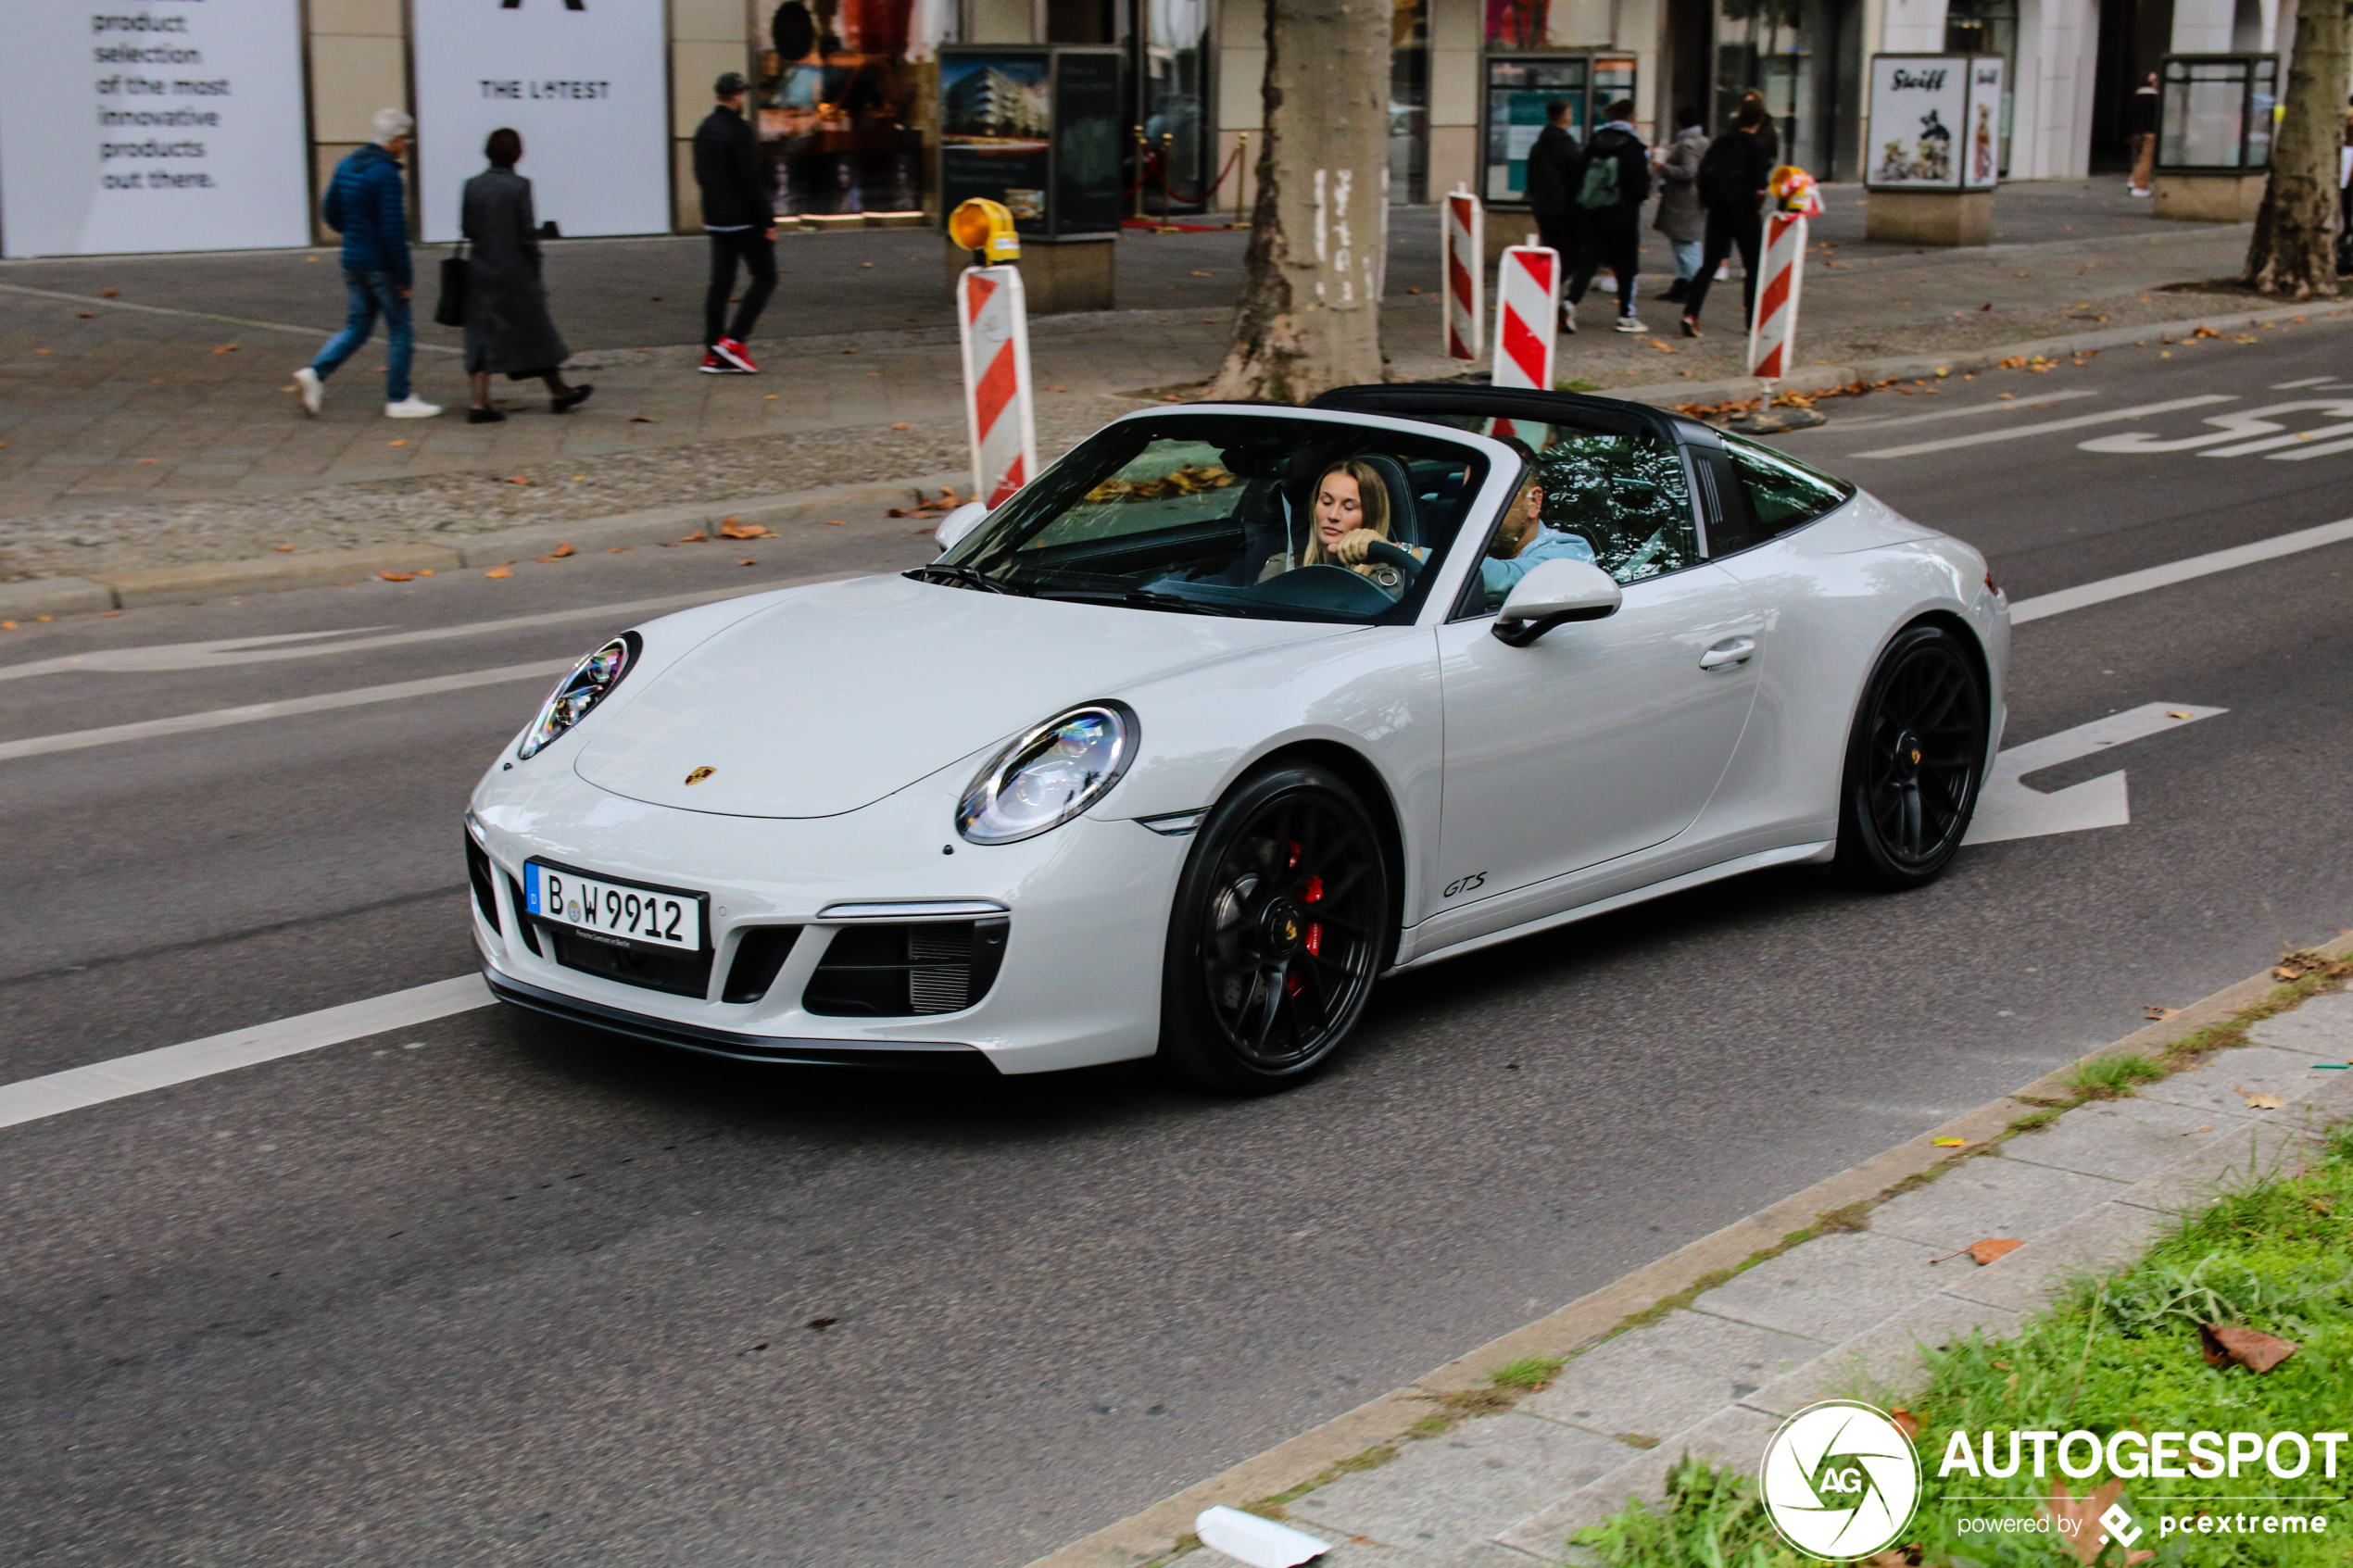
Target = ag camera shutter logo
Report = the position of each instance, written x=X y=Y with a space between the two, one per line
x=1840 y=1480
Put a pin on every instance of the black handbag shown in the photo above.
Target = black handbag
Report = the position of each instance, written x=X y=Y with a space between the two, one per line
x=450 y=309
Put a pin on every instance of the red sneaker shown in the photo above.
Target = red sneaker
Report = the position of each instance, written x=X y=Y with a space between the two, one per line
x=714 y=366
x=737 y=358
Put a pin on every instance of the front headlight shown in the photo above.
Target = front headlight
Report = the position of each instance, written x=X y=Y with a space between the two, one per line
x=580 y=691
x=1050 y=774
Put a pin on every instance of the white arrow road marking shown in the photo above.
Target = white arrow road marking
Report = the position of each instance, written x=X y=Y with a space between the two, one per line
x=101 y=1081
x=2007 y=809
x=2238 y=423
x=1979 y=438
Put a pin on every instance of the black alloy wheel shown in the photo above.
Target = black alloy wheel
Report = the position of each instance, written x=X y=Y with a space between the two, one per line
x=1914 y=762
x=1279 y=927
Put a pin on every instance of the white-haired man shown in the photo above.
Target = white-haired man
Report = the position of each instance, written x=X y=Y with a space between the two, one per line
x=367 y=205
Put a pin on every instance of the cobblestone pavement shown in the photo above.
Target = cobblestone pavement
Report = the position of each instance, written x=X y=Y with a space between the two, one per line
x=144 y=429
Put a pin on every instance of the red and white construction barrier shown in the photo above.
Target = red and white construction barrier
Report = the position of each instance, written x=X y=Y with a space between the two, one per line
x=1528 y=294
x=1772 y=336
x=1462 y=242
x=999 y=414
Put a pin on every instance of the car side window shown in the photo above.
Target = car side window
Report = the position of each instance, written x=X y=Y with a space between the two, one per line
x=1625 y=495
x=1782 y=493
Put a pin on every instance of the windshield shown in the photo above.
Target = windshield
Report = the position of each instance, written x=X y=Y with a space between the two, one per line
x=1231 y=514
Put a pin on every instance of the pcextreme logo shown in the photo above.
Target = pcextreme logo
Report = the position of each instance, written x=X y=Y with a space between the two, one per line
x=1840 y=1480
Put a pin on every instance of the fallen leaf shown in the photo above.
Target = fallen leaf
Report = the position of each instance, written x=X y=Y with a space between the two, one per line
x=424 y=572
x=497 y=572
x=747 y=563
x=2225 y=1345
x=88 y=315
x=397 y=576
x=151 y=460
x=1413 y=291
x=1907 y=1420
x=2262 y=1102
x=904 y=427
x=2196 y=1130
x=7 y=625
x=689 y=539
x=769 y=397
x=836 y=522
x=1058 y=389
x=1949 y=1143
x=110 y=293
x=2078 y=1519
x=730 y=529
x=2287 y=971
x=559 y=553
x=619 y=549
x=2157 y=1014
x=1992 y=1247
x=2175 y=713
x=643 y=420
x=520 y=479
x=578 y=477
x=822 y=1324
x=52 y=617
x=398 y=444
x=1987 y=306
x=282 y=547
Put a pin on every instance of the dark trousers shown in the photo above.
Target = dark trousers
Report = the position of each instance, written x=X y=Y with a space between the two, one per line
x=758 y=254
x=1726 y=230
x=1561 y=233
x=1616 y=246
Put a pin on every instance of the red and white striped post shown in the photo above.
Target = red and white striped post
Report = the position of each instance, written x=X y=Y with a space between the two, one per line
x=1772 y=336
x=993 y=321
x=1527 y=293
x=1462 y=241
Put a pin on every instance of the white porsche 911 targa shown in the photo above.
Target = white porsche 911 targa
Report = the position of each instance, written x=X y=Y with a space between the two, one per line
x=1231 y=712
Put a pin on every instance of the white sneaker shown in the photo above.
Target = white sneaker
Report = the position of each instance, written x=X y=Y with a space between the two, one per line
x=2137 y=191
x=1628 y=324
x=1568 y=317
x=313 y=390
x=411 y=407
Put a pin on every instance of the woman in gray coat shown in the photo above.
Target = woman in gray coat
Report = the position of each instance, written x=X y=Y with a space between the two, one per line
x=507 y=325
x=1681 y=218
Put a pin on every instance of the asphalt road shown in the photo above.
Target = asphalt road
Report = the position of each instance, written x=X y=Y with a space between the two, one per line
x=494 y=1289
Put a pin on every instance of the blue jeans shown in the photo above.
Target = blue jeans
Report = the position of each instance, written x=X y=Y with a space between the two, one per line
x=1687 y=254
x=373 y=294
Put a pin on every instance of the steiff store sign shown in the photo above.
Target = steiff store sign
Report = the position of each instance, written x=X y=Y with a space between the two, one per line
x=1936 y=122
x=584 y=83
x=155 y=125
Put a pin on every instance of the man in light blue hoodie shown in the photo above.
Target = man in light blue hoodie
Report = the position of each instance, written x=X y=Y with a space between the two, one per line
x=366 y=204
x=1521 y=540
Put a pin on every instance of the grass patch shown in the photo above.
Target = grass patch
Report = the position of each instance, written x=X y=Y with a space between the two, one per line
x=2111 y=1077
x=2120 y=1351
x=1529 y=1374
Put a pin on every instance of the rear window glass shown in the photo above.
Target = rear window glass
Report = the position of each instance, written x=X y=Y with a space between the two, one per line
x=1782 y=492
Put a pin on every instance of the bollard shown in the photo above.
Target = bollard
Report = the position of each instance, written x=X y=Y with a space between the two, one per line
x=992 y=322
x=1773 y=335
x=1462 y=275
x=1527 y=291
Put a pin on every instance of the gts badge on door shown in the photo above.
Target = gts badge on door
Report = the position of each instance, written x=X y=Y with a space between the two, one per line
x=1470 y=884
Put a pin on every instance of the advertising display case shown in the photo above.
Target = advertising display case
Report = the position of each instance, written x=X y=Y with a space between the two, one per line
x=1518 y=84
x=1935 y=123
x=1035 y=127
x=2214 y=113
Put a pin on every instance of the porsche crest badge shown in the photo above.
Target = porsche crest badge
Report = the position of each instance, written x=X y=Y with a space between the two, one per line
x=700 y=774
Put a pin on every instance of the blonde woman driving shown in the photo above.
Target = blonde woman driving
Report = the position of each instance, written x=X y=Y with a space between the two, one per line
x=1350 y=514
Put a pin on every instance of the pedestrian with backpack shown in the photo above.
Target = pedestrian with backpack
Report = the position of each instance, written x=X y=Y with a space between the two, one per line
x=367 y=204
x=1731 y=187
x=740 y=217
x=1609 y=198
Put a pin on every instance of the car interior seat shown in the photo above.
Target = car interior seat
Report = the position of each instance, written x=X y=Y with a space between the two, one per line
x=1404 y=512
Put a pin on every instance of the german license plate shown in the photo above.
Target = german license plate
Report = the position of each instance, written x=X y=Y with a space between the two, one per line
x=660 y=917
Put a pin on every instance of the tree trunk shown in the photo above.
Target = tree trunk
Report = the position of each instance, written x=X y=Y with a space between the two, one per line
x=2294 y=251
x=1309 y=313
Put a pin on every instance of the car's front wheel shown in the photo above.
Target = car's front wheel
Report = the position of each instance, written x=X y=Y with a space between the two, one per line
x=1914 y=762
x=1278 y=932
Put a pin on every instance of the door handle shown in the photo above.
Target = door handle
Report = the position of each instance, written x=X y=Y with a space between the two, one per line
x=1727 y=654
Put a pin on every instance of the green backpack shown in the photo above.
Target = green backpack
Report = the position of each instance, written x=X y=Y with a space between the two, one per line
x=1599 y=191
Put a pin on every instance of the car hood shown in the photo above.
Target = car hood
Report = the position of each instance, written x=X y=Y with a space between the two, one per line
x=842 y=693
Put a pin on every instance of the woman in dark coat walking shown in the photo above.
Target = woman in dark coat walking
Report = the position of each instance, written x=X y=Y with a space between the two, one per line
x=507 y=329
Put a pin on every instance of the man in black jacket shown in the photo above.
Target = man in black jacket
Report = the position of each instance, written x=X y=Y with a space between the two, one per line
x=1553 y=167
x=1733 y=181
x=1610 y=196
x=741 y=221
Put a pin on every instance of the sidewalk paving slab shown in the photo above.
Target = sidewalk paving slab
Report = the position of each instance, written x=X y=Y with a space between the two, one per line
x=1829 y=1289
x=2224 y=1085
x=1989 y=1197
x=1877 y=1363
x=1736 y=1435
x=1444 y=1495
x=2124 y=1140
x=2030 y=1279
x=1668 y=1376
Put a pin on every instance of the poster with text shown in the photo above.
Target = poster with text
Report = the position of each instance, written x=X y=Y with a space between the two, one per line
x=584 y=88
x=152 y=125
x=1919 y=117
x=1981 y=157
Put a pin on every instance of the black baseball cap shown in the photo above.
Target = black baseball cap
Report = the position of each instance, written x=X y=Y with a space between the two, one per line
x=729 y=84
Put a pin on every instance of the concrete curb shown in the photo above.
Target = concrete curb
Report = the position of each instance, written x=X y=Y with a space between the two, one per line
x=1823 y=378
x=212 y=580
x=1147 y=1535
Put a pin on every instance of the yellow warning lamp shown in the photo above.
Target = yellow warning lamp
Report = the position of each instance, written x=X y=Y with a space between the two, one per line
x=987 y=227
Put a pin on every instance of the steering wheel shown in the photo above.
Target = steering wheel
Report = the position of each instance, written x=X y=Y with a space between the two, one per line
x=1404 y=560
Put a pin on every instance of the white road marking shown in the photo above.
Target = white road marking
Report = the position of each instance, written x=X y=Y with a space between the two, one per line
x=2015 y=432
x=2233 y=426
x=2007 y=809
x=76 y=1088
x=2307 y=381
x=1888 y=421
x=258 y=650
x=214 y=719
x=2165 y=576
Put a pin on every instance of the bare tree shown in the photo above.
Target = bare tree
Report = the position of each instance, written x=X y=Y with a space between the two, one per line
x=1309 y=313
x=2294 y=251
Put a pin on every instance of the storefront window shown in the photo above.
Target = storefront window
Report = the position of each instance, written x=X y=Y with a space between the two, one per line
x=1762 y=48
x=1408 y=102
x=838 y=102
x=1175 y=95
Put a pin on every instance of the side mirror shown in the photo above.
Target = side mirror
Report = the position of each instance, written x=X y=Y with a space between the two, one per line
x=956 y=524
x=1554 y=592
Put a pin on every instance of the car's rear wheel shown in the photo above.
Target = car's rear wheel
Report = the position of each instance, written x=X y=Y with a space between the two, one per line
x=1278 y=929
x=1914 y=762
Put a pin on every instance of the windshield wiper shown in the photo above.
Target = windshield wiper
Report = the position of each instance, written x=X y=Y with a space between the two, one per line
x=970 y=577
x=1143 y=599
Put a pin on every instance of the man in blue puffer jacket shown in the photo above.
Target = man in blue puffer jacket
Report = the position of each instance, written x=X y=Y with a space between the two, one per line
x=366 y=204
